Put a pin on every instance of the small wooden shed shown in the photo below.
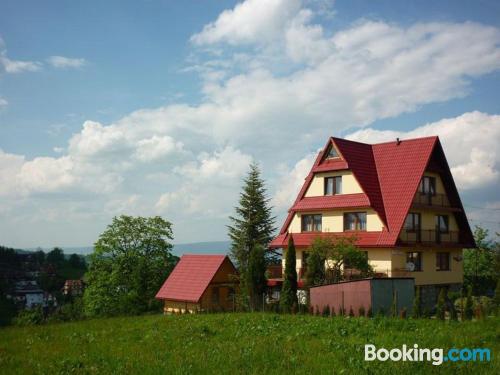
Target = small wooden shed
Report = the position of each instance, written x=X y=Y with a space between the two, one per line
x=200 y=283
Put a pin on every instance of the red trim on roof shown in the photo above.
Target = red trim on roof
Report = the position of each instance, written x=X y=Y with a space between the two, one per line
x=332 y=201
x=363 y=239
x=191 y=277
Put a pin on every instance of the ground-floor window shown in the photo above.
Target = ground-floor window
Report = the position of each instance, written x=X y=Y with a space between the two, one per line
x=442 y=261
x=414 y=261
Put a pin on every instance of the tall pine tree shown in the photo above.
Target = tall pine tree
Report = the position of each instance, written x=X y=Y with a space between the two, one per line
x=251 y=231
x=288 y=296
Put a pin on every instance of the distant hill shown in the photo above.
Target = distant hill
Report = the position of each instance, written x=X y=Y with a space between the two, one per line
x=211 y=247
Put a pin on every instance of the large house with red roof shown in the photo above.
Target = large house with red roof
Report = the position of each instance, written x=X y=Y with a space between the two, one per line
x=200 y=283
x=399 y=200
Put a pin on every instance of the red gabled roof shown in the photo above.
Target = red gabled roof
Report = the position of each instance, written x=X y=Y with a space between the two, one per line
x=191 y=277
x=389 y=174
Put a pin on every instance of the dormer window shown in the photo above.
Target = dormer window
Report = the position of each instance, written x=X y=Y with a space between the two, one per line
x=333 y=185
x=332 y=153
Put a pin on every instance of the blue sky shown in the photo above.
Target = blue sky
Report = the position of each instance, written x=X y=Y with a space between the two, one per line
x=156 y=107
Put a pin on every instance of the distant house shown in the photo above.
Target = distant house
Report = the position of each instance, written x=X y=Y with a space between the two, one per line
x=73 y=288
x=200 y=283
x=27 y=294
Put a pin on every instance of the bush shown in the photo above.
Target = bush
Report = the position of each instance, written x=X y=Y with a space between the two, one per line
x=483 y=303
x=326 y=311
x=441 y=304
x=369 y=314
x=29 y=317
x=68 y=312
x=469 y=305
x=361 y=311
x=333 y=312
x=417 y=309
x=351 y=312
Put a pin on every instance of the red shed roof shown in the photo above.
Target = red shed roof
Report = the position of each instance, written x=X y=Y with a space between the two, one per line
x=389 y=174
x=191 y=277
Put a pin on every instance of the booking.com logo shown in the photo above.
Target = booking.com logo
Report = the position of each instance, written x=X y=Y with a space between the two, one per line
x=436 y=356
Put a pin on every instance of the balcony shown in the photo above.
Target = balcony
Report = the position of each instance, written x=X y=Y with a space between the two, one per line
x=274 y=271
x=429 y=237
x=436 y=200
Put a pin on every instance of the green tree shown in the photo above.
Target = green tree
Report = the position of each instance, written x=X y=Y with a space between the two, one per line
x=336 y=255
x=481 y=264
x=251 y=229
x=76 y=261
x=288 y=297
x=496 y=298
x=55 y=256
x=131 y=260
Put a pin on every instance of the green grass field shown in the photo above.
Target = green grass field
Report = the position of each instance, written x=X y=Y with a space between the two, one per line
x=238 y=343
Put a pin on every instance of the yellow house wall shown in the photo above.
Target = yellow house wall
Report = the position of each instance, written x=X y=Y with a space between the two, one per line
x=429 y=275
x=333 y=221
x=393 y=262
x=349 y=183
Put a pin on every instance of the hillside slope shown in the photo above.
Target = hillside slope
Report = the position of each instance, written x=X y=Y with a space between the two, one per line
x=237 y=343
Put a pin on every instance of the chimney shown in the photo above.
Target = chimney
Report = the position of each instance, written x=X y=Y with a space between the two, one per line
x=398 y=141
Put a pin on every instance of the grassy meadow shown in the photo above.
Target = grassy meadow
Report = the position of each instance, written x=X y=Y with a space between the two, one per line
x=238 y=343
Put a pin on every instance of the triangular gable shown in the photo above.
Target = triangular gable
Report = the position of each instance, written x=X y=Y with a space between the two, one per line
x=439 y=163
x=191 y=277
x=359 y=157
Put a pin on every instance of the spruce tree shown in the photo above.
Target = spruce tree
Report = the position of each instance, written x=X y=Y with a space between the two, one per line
x=289 y=290
x=250 y=231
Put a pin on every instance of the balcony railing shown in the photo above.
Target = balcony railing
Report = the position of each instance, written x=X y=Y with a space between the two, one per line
x=426 y=236
x=437 y=200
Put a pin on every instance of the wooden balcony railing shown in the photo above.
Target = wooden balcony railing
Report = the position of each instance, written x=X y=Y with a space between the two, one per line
x=429 y=236
x=437 y=200
x=274 y=271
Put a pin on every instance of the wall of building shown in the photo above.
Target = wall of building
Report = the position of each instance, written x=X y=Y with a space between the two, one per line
x=429 y=275
x=349 y=183
x=333 y=221
x=179 y=307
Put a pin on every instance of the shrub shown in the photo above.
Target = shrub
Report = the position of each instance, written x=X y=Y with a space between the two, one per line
x=318 y=313
x=469 y=305
x=29 y=317
x=441 y=304
x=351 y=312
x=326 y=311
x=402 y=313
x=333 y=311
x=394 y=306
x=426 y=313
x=417 y=309
x=369 y=314
x=361 y=311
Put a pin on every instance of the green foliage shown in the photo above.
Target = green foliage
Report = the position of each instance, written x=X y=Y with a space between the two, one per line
x=326 y=311
x=55 y=256
x=361 y=311
x=340 y=253
x=417 y=308
x=29 y=317
x=256 y=275
x=7 y=310
x=441 y=304
x=469 y=306
x=351 y=312
x=482 y=302
x=68 y=311
x=131 y=260
x=237 y=343
x=251 y=229
x=288 y=296
x=394 y=306
x=482 y=265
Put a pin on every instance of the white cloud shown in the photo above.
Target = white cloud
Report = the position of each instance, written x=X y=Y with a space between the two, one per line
x=62 y=62
x=156 y=147
x=3 y=102
x=18 y=66
x=470 y=142
x=45 y=174
x=252 y=21
x=291 y=181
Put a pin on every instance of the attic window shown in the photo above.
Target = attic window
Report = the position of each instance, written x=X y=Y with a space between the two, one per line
x=332 y=153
